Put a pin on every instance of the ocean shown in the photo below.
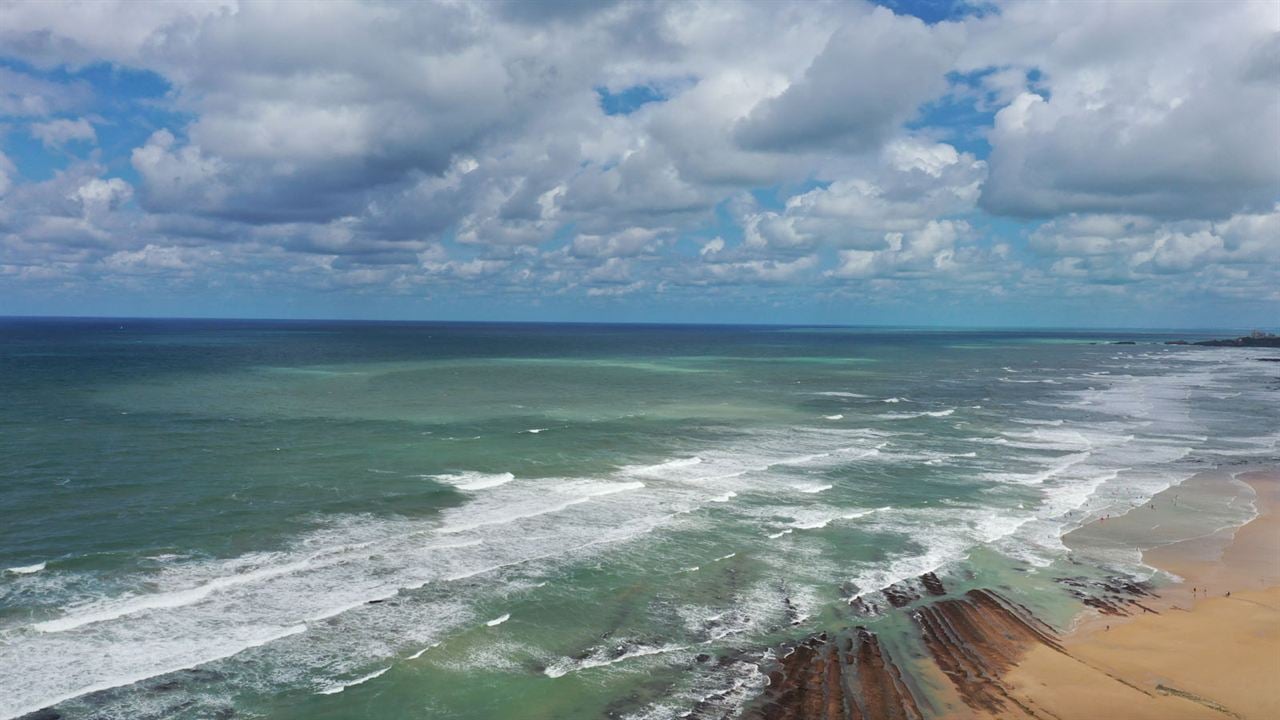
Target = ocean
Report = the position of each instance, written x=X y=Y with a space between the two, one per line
x=262 y=519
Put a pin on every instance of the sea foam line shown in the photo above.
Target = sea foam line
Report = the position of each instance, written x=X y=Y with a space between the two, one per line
x=335 y=689
x=136 y=678
x=26 y=569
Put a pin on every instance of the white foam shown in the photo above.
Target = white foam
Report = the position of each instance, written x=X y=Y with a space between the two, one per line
x=26 y=569
x=912 y=416
x=602 y=658
x=587 y=492
x=174 y=599
x=198 y=610
x=833 y=417
x=499 y=620
x=423 y=651
x=812 y=489
x=335 y=689
x=662 y=469
x=475 y=480
x=17 y=710
x=535 y=431
x=842 y=394
x=813 y=524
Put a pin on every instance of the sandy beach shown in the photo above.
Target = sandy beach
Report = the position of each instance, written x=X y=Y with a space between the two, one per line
x=1205 y=655
x=1178 y=647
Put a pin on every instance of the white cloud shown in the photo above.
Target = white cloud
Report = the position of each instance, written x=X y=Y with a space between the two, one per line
x=413 y=147
x=7 y=171
x=162 y=259
x=929 y=251
x=872 y=75
x=1117 y=248
x=23 y=95
x=99 y=195
x=1168 y=109
x=632 y=241
x=914 y=183
x=57 y=133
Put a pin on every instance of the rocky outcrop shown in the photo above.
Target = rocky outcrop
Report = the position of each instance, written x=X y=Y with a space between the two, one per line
x=845 y=677
x=976 y=639
x=1267 y=341
x=973 y=639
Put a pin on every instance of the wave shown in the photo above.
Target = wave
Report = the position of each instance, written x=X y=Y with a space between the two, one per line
x=26 y=569
x=423 y=651
x=530 y=529
x=129 y=679
x=602 y=657
x=510 y=517
x=662 y=469
x=174 y=599
x=842 y=394
x=499 y=620
x=474 y=480
x=912 y=416
x=833 y=417
x=335 y=689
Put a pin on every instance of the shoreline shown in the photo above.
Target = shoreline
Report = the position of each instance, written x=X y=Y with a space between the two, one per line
x=1158 y=650
x=1205 y=655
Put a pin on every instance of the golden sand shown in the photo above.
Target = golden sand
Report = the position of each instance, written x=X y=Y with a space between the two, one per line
x=1205 y=655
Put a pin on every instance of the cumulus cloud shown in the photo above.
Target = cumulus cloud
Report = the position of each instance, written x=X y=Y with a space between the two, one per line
x=57 y=133
x=1159 y=109
x=931 y=250
x=871 y=77
x=1121 y=249
x=491 y=148
x=912 y=184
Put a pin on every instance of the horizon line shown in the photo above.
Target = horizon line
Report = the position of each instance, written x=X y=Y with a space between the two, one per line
x=882 y=326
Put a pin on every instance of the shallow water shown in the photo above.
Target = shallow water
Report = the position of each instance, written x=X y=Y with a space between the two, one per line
x=336 y=520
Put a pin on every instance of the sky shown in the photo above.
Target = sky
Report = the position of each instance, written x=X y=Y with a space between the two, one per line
x=1072 y=164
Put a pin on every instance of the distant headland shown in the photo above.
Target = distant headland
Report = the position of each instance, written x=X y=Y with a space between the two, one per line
x=1257 y=338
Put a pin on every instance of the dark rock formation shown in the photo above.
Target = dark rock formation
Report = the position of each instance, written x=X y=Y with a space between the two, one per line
x=1270 y=341
x=932 y=584
x=973 y=639
x=1112 y=596
x=976 y=639
x=848 y=677
x=900 y=594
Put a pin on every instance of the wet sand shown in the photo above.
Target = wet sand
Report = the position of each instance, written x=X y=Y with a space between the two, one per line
x=1143 y=654
x=1205 y=655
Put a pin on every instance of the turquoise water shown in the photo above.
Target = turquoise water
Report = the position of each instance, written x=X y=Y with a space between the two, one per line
x=329 y=520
